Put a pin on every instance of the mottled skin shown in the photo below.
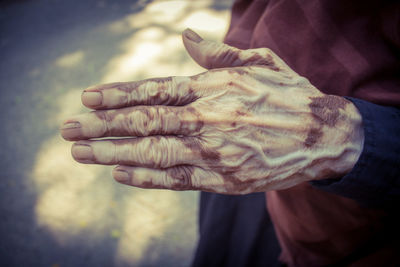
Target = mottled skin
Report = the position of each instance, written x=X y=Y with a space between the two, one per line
x=248 y=124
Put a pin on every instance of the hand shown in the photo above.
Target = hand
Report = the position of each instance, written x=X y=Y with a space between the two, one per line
x=248 y=124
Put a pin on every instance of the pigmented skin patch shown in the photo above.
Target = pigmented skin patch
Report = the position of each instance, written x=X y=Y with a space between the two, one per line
x=240 y=113
x=326 y=111
x=237 y=184
x=312 y=137
x=209 y=156
x=212 y=159
x=231 y=57
x=150 y=185
x=131 y=86
x=236 y=70
x=257 y=59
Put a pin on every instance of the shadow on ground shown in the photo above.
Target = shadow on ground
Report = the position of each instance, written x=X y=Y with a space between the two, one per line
x=56 y=212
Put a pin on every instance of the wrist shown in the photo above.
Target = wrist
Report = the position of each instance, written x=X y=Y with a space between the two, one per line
x=341 y=146
x=355 y=142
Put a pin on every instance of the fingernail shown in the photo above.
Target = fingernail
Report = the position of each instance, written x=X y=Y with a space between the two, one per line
x=92 y=98
x=121 y=176
x=71 y=125
x=82 y=151
x=192 y=36
x=71 y=130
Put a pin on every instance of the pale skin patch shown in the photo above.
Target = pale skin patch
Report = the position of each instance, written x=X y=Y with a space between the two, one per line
x=250 y=125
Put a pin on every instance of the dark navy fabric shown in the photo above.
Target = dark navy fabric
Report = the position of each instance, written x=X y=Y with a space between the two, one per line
x=235 y=231
x=375 y=179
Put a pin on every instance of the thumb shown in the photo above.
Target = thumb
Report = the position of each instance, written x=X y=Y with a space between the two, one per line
x=211 y=55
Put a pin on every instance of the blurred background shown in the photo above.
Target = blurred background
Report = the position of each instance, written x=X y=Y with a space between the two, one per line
x=54 y=211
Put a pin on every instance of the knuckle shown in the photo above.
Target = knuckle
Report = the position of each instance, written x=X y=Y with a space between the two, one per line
x=180 y=177
x=155 y=153
x=264 y=51
x=105 y=120
x=167 y=152
x=131 y=124
x=192 y=121
x=159 y=154
x=166 y=181
x=142 y=121
x=114 y=153
x=151 y=152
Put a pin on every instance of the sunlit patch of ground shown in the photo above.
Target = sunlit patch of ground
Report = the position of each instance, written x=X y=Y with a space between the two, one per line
x=76 y=200
x=70 y=60
x=157 y=45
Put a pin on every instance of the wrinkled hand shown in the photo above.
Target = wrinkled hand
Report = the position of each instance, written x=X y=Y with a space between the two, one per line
x=248 y=124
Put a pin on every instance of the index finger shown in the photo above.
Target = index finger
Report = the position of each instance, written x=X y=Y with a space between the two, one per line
x=170 y=91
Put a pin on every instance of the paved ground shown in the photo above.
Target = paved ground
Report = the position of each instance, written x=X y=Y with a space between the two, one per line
x=55 y=212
